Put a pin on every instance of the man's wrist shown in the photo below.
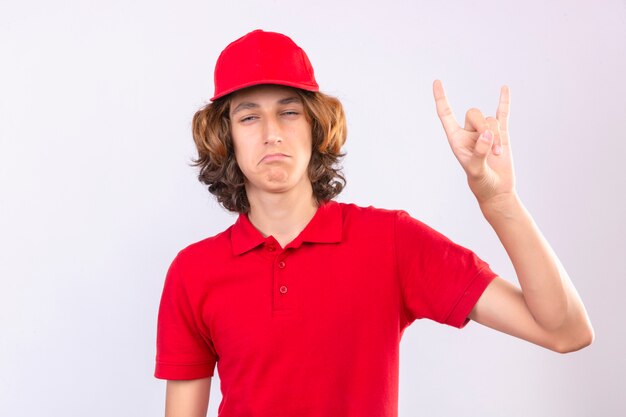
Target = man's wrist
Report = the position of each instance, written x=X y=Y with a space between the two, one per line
x=505 y=206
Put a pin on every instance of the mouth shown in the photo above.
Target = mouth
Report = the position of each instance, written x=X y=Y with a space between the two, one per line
x=273 y=157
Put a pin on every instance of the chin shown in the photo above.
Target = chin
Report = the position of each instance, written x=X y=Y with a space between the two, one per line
x=277 y=181
x=277 y=188
x=269 y=187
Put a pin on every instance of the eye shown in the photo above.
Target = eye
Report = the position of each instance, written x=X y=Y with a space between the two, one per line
x=290 y=113
x=247 y=118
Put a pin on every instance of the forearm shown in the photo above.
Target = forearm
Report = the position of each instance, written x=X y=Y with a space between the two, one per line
x=547 y=289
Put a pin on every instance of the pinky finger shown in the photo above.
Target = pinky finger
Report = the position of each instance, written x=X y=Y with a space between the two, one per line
x=504 y=107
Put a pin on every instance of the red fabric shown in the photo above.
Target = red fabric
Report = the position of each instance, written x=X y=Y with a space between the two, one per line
x=312 y=329
x=262 y=58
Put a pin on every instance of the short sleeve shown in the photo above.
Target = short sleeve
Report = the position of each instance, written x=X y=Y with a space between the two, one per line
x=440 y=279
x=183 y=351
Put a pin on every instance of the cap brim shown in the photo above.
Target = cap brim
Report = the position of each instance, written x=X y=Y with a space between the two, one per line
x=302 y=86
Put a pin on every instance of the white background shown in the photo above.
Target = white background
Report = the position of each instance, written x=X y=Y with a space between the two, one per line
x=97 y=195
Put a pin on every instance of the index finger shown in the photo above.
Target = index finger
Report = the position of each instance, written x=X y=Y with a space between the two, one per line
x=444 y=111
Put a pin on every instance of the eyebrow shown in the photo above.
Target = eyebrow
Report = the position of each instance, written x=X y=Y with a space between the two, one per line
x=246 y=105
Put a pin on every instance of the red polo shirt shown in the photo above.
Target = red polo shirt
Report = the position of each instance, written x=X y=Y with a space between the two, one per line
x=312 y=329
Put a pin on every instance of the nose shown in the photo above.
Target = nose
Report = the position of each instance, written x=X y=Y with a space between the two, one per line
x=273 y=132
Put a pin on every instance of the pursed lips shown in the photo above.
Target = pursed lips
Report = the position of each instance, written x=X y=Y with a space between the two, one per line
x=272 y=157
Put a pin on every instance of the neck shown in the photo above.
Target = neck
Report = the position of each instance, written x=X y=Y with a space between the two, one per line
x=282 y=215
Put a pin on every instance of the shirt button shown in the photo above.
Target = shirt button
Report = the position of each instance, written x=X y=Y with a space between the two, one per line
x=281 y=264
x=271 y=248
x=283 y=289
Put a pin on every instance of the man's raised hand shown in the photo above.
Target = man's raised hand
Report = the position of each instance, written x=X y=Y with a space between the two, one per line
x=482 y=146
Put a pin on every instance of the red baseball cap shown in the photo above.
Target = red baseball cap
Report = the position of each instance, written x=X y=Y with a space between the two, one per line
x=262 y=58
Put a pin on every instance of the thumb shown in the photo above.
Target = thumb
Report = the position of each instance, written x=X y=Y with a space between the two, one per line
x=481 y=150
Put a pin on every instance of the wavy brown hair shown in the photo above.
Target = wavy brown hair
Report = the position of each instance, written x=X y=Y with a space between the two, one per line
x=216 y=154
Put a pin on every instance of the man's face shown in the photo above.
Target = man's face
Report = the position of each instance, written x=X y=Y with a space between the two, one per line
x=271 y=138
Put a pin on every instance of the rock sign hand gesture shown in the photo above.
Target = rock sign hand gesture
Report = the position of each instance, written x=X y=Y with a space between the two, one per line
x=481 y=146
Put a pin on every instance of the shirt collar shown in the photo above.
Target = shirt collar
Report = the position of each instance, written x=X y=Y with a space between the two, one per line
x=324 y=227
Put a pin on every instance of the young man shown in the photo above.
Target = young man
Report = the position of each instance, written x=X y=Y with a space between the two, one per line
x=303 y=301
